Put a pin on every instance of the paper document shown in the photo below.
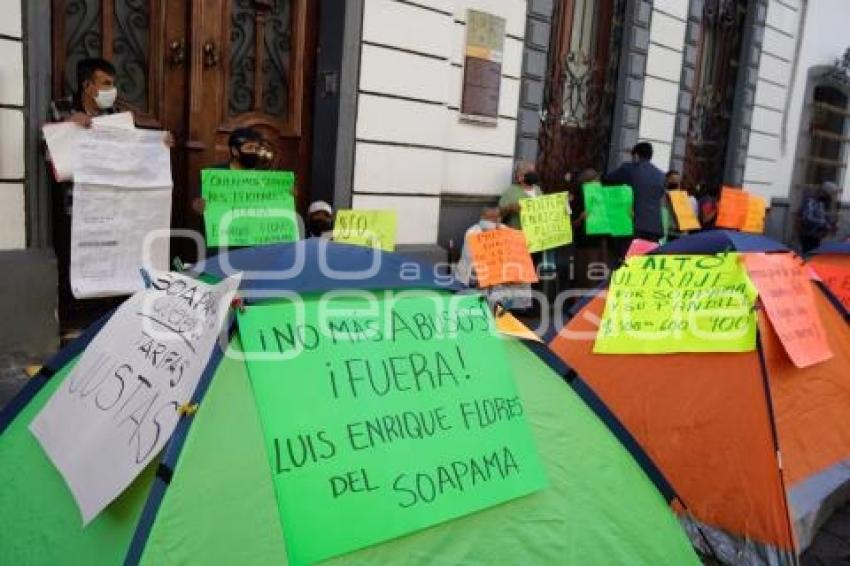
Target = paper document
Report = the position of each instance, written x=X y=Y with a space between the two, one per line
x=118 y=406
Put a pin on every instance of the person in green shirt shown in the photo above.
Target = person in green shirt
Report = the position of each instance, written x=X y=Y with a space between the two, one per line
x=525 y=186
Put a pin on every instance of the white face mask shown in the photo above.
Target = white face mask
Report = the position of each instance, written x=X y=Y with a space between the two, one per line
x=488 y=224
x=106 y=98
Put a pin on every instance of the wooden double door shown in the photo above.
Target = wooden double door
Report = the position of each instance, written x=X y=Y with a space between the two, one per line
x=200 y=69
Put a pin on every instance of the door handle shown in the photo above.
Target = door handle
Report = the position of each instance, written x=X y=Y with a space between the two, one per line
x=177 y=52
x=210 y=55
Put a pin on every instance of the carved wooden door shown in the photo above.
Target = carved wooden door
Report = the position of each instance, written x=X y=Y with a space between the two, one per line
x=252 y=64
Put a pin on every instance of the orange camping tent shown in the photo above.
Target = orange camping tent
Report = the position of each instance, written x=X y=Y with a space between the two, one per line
x=756 y=449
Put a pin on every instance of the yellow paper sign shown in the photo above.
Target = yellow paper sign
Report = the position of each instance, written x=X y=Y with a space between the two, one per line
x=370 y=228
x=546 y=222
x=660 y=304
x=756 y=211
x=685 y=217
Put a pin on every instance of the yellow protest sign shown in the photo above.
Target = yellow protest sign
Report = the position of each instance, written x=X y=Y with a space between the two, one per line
x=685 y=217
x=370 y=228
x=756 y=211
x=660 y=304
x=546 y=222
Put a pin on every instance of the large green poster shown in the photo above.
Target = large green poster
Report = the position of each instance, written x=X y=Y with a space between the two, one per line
x=247 y=208
x=384 y=416
x=609 y=209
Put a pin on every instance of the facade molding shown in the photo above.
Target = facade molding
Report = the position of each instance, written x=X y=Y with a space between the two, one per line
x=630 y=80
x=535 y=60
x=745 y=93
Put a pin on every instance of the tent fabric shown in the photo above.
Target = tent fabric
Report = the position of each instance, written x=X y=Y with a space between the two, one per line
x=689 y=418
x=837 y=248
x=317 y=264
x=40 y=520
x=830 y=262
x=213 y=502
x=812 y=420
x=719 y=241
x=757 y=449
x=599 y=509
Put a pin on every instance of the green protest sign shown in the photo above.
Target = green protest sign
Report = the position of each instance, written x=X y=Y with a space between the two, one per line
x=384 y=415
x=546 y=222
x=247 y=208
x=609 y=209
x=370 y=228
x=660 y=304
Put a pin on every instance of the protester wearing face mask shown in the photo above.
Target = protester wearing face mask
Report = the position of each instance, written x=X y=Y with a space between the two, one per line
x=247 y=151
x=526 y=186
x=320 y=222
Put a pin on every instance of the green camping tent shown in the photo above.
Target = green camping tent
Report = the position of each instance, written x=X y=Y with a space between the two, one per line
x=210 y=499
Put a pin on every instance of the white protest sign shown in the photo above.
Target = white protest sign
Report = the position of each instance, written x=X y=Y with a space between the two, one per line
x=63 y=139
x=119 y=405
x=122 y=193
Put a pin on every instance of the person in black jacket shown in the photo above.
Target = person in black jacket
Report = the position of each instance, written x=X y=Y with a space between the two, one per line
x=647 y=182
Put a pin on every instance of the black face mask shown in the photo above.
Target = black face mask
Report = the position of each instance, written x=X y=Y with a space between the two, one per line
x=248 y=160
x=531 y=178
x=672 y=186
x=319 y=226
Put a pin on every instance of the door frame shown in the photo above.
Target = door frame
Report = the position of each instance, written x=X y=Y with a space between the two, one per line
x=340 y=25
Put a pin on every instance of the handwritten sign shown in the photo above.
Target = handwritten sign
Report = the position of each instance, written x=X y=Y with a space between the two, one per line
x=836 y=277
x=546 y=222
x=370 y=228
x=756 y=212
x=609 y=209
x=686 y=220
x=660 y=304
x=248 y=208
x=786 y=293
x=383 y=417
x=733 y=207
x=118 y=406
x=501 y=256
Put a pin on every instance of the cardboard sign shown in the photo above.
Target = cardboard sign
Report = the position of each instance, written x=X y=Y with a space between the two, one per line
x=370 y=228
x=660 y=304
x=384 y=416
x=119 y=405
x=248 y=208
x=640 y=247
x=609 y=209
x=546 y=222
x=836 y=277
x=732 y=209
x=786 y=293
x=501 y=256
x=686 y=220
x=756 y=212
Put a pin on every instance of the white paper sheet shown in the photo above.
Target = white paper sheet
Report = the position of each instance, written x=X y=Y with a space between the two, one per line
x=108 y=230
x=117 y=408
x=122 y=193
x=63 y=139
